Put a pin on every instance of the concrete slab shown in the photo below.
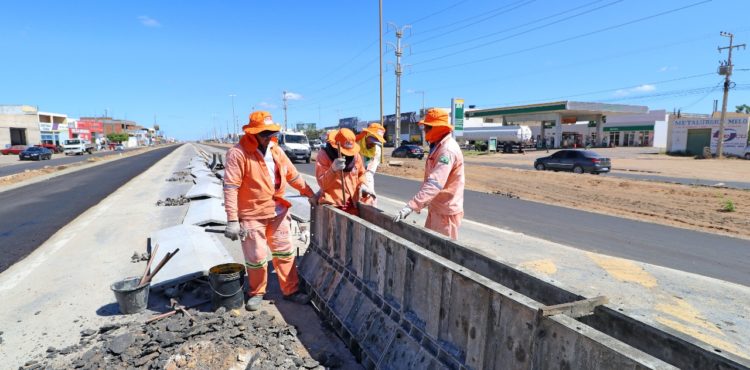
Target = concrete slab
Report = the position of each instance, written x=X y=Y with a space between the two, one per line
x=207 y=178
x=199 y=251
x=205 y=190
x=203 y=212
x=200 y=171
x=220 y=174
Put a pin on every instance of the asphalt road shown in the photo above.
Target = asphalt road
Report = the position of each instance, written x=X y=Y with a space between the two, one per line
x=638 y=176
x=33 y=165
x=701 y=253
x=32 y=213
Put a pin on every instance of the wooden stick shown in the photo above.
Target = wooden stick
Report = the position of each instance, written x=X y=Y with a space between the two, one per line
x=343 y=185
x=148 y=265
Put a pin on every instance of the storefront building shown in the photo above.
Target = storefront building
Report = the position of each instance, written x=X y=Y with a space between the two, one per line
x=53 y=128
x=691 y=135
x=19 y=125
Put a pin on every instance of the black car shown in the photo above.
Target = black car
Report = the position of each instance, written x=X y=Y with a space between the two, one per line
x=578 y=161
x=408 y=151
x=35 y=153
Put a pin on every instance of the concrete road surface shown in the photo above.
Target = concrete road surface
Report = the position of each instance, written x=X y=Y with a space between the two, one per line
x=711 y=255
x=56 y=160
x=32 y=213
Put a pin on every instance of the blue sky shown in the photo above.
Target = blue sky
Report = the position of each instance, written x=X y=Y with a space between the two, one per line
x=180 y=60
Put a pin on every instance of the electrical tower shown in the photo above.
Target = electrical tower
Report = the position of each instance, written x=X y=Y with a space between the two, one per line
x=284 y=99
x=725 y=69
x=398 y=48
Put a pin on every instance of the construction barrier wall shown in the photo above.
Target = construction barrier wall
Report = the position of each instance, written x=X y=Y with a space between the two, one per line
x=661 y=342
x=398 y=305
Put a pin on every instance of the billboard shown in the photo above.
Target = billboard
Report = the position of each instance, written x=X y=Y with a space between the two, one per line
x=735 y=134
x=457 y=116
x=350 y=123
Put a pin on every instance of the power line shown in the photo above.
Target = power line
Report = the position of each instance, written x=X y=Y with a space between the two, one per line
x=438 y=12
x=701 y=98
x=609 y=28
x=475 y=21
x=520 y=26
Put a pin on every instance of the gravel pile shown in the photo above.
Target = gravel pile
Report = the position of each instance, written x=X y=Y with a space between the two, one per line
x=214 y=340
x=169 y=202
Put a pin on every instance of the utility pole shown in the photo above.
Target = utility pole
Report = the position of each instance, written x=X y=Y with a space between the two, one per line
x=398 y=49
x=284 y=99
x=234 y=118
x=725 y=69
x=380 y=55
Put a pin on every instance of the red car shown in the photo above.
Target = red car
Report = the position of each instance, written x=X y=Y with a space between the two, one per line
x=15 y=149
x=54 y=148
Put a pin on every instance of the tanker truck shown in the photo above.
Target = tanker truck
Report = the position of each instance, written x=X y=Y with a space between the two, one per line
x=509 y=139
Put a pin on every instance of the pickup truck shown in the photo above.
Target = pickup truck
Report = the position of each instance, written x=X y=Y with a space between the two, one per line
x=77 y=146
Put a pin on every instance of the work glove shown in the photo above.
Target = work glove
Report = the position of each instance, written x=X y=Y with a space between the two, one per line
x=401 y=215
x=232 y=230
x=366 y=192
x=338 y=164
x=313 y=199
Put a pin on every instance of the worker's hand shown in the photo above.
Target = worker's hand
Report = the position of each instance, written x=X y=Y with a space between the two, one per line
x=401 y=215
x=313 y=199
x=232 y=230
x=366 y=192
x=338 y=164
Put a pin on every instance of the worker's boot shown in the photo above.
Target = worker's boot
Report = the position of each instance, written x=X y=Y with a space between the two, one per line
x=253 y=304
x=298 y=297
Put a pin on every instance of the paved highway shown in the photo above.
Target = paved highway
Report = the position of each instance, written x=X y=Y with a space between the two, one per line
x=706 y=254
x=55 y=161
x=32 y=213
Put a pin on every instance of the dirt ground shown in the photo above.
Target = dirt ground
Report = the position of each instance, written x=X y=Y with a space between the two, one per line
x=691 y=207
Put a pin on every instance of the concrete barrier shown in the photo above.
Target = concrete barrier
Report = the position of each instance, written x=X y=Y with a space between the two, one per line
x=398 y=305
x=664 y=343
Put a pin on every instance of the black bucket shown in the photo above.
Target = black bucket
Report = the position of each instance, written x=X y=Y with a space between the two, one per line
x=131 y=297
x=227 y=283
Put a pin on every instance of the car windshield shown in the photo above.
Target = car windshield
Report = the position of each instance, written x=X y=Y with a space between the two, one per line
x=295 y=139
x=72 y=142
x=34 y=149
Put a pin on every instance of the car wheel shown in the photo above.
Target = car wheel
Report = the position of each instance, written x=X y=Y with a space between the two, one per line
x=307 y=160
x=578 y=169
x=539 y=166
x=747 y=156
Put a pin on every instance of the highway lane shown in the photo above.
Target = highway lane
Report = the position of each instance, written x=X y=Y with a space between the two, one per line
x=701 y=253
x=22 y=166
x=32 y=213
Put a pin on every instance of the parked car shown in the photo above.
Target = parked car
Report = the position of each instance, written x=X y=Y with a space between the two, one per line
x=35 y=153
x=408 y=151
x=578 y=161
x=295 y=145
x=747 y=153
x=52 y=147
x=316 y=144
x=119 y=147
x=15 y=149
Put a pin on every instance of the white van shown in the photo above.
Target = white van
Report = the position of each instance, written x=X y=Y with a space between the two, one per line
x=295 y=145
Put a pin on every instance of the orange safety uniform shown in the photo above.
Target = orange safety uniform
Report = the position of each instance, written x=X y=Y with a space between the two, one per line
x=330 y=181
x=256 y=198
x=442 y=190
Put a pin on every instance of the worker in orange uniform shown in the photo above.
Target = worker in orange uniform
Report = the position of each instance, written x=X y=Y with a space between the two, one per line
x=255 y=178
x=340 y=163
x=443 y=188
x=370 y=142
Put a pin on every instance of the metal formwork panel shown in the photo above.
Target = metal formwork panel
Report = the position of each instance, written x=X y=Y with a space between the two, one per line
x=199 y=251
x=204 y=212
x=205 y=189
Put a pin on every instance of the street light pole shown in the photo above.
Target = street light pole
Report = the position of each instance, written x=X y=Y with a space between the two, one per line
x=234 y=117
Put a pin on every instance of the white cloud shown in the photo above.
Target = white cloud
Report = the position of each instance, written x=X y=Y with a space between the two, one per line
x=638 y=89
x=148 y=21
x=267 y=105
x=293 y=96
x=664 y=69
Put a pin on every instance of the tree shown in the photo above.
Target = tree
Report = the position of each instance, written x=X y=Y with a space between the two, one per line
x=744 y=108
x=117 y=137
x=314 y=134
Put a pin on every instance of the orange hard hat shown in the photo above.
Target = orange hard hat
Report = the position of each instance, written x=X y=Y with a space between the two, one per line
x=331 y=137
x=260 y=121
x=376 y=130
x=346 y=142
x=435 y=117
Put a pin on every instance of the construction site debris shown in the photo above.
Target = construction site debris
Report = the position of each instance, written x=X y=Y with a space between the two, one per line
x=138 y=257
x=170 y=202
x=211 y=340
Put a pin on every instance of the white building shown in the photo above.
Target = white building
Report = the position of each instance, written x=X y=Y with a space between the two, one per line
x=689 y=135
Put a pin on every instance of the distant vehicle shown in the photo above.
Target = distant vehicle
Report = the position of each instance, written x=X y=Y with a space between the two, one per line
x=747 y=153
x=119 y=147
x=408 y=151
x=509 y=138
x=54 y=148
x=295 y=145
x=15 y=149
x=578 y=161
x=316 y=144
x=78 y=146
x=35 y=153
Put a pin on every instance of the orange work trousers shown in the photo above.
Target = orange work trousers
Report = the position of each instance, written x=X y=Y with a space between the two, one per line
x=445 y=224
x=270 y=233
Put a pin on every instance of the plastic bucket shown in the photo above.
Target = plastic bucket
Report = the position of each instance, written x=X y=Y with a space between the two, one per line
x=227 y=283
x=130 y=297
